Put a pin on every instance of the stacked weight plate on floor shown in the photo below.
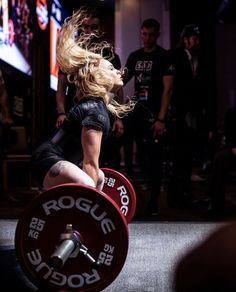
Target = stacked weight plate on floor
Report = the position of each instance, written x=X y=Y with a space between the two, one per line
x=72 y=238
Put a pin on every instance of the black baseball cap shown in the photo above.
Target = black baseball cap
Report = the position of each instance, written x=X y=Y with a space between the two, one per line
x=190 y=30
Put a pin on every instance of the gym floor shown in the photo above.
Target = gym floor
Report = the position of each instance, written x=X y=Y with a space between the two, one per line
x=155 y=249
x=156 y=243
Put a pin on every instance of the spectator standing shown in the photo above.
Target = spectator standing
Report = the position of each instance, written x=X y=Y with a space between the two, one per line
x=190 y=118
x=146 y=124
x=224 y=161
x=5 y=120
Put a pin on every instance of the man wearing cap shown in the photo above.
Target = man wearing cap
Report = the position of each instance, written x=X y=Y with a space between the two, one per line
x=189 y=112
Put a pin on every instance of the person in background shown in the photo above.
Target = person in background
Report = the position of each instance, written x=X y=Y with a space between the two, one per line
x=224 y=161
x=66 y=92
x=5 y=120
x=87 y=123
x=147 y=123
x=211 y=264
x=190 y=118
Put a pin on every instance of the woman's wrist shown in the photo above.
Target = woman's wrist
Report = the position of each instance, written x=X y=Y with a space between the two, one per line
x=61 y=114
x=161 y=120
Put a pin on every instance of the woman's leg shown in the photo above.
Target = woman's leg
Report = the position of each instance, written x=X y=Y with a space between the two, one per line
x=64 y=172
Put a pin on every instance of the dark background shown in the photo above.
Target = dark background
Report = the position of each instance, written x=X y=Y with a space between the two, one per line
x=39 y=100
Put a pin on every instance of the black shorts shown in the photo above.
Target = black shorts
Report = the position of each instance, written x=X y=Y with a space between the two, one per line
x=43 y=158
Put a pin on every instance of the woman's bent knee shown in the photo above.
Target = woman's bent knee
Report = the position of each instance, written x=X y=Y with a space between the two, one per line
x=101 y=180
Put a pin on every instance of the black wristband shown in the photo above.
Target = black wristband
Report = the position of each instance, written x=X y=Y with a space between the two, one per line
x=161 y=121
x=61 y=114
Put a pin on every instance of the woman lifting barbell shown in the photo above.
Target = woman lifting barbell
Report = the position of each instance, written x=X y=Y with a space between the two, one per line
x=71 y=155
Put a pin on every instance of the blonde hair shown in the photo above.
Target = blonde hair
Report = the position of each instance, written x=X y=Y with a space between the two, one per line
x=79 y=54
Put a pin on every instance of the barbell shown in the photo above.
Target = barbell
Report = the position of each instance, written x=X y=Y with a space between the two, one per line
x=75 y=238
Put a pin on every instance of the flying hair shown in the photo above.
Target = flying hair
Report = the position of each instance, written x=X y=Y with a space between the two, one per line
x=78 y=56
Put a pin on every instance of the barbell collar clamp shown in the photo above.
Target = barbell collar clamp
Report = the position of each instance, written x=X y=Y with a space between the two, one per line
x=69 y=241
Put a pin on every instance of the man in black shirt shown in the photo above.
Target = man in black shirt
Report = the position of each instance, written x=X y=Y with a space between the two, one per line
x=146 y=125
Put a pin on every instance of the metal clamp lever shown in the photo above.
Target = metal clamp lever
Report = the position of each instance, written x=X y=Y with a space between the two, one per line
x=84 y=250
